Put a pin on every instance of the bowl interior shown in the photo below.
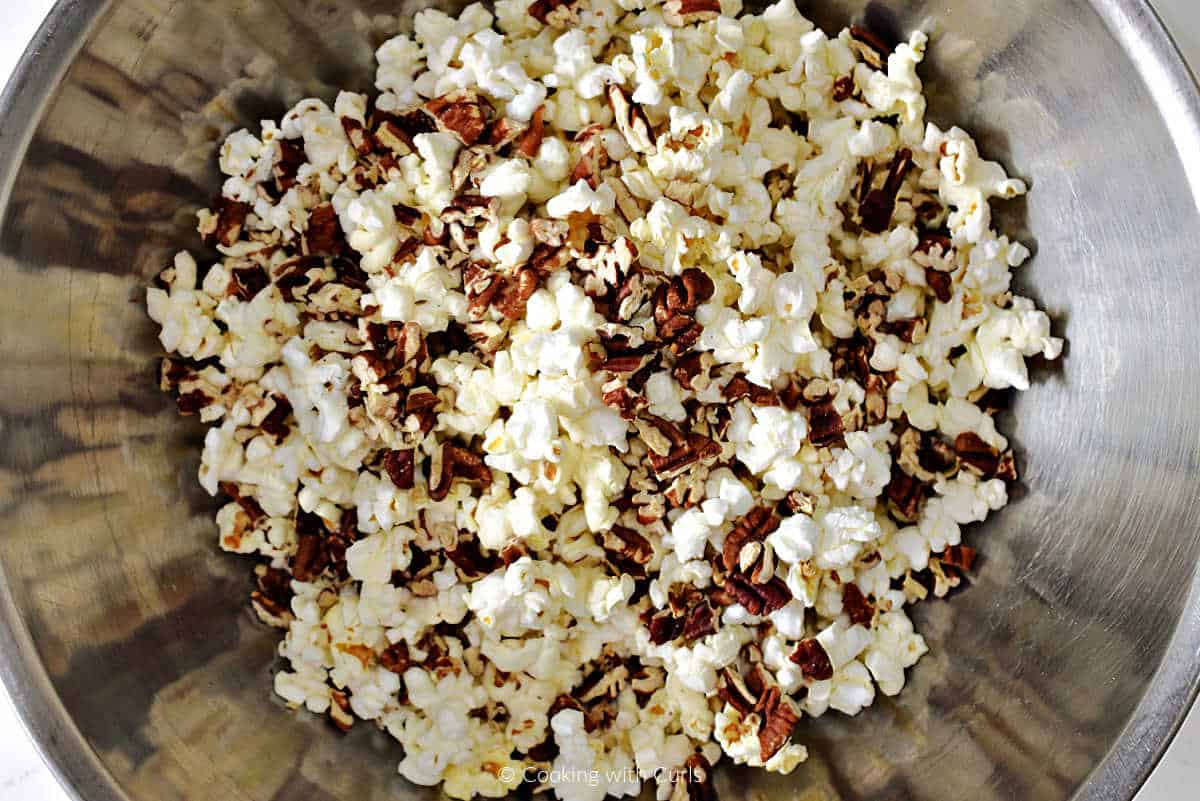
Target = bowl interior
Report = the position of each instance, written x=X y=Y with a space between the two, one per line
x=144 y=671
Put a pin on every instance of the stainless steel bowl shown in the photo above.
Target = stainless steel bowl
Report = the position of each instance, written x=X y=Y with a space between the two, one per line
x=124 y=634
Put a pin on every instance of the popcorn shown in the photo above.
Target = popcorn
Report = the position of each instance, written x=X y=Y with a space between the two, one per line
x=584 y=404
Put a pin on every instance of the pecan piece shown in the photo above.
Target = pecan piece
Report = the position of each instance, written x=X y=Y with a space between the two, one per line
x=825 y=427
x=470 y=559
x=857 y=606
x=248 y=504
x=460 y=463
x=463 y=113
x=396 y=658
x=548 y=12
x=630 y=120
x=813 y=661
x=686 y=292
x=877 y=208
x=400 y=467
x=291 y=158
x=513 y=296
x=906 y=494
x=684 y=12
x=311 y=558
x=323 y=237
x=961 y=557
x=360 y=138
x=249 y=281
x=531 y=141
x=700 y=621
x=869 y=46
x=779 y=718
x=759 y=599
x=627 y=550
x=976 y=454
x=230 y=220
x=731 y=688
x=665 y=627
x=754 y=527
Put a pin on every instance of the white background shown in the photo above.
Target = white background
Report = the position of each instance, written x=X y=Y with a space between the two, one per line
x=23 y=776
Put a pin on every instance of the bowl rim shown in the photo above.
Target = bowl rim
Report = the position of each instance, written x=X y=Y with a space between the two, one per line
x=1118 y=776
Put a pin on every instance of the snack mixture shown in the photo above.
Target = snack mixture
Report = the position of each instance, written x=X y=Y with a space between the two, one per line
x=597 y=396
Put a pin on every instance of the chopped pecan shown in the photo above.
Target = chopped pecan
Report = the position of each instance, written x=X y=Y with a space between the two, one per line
x=291 y=158
x=323 y=236
x=869 y=46
x=470 y=559
x=248 y=504
x=1007 y=469
x=273 y=597
x=825 y=427
x=190 y=403
x=504 y=132
x=758 y=599
x=360 y=138
x=694 y=448
x=779 y=718
x=665 y=627
x=513 y=551
x=249 y=281
x=593 y=157
x=311 y=558
x=877 y=208
x=230 y=220
x=976 y=454
x=875 y=402
x=456 y=462
x=961 y=557
x=754 y=527
x=906 y=494
x=857 y=606
x=627 y=550
x=400 y=468
x=530 y=141
x=513 y=295
x=686 y=292
x=740 y=387
x=732 y=689
x=684 y=12
x=701 y=620
x=813 y=661
x=621 y=398
x=396 y=658
x=463 y=113
x=630 y=120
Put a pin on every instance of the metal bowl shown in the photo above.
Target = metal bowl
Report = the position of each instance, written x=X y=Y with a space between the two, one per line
x=124 y=634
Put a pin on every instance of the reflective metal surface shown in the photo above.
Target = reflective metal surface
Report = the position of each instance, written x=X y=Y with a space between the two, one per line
x=124 y=635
